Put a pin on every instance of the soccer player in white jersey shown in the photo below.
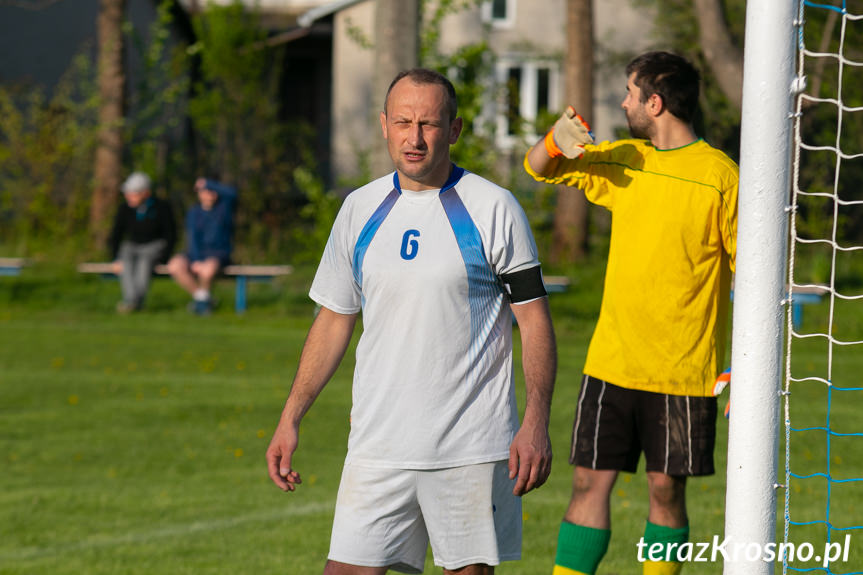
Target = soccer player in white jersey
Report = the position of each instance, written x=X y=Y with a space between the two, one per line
x=438 y=260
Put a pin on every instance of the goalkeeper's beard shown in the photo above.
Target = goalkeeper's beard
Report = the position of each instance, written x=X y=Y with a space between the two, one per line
x=638 y=131
x=640 y=126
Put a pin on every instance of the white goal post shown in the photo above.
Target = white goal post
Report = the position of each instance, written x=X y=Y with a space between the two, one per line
x=759 y=286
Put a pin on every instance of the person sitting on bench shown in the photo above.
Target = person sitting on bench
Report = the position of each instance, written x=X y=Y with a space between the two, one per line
x=209 y=242
x=143 y=235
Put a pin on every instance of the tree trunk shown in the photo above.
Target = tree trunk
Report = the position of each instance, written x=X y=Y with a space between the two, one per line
x=724 y=58
x=571 y=214
x=396 y=49
x=108 y=164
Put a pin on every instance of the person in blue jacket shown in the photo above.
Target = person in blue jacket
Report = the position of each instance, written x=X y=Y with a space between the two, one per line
x=209 y=242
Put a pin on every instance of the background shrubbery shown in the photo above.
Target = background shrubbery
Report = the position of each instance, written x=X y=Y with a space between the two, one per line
x=206 y=109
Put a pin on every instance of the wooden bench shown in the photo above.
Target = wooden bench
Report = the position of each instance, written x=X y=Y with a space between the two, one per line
x=12 y=266
x=555 y=284
x=241 y=274
x=803 y=295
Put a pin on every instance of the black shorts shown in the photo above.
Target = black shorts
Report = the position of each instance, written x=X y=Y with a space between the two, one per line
x=613 y=425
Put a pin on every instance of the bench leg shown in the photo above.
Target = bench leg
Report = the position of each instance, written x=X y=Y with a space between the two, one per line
x=240 y=295
x=796 y=314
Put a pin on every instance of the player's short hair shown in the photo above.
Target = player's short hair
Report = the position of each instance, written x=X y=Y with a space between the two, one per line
x=426 y=76
x=670 y=76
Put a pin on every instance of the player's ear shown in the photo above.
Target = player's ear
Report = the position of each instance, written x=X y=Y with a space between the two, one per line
x=384 y=124
x=655 y=104
x=455 y=130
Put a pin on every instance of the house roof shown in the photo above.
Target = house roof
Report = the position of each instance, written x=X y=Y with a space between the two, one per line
x=308 y=18
x=293 y=15
x=276 y=6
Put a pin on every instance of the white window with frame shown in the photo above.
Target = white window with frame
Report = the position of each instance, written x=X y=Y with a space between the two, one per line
x=525 y=89
x=499 y=13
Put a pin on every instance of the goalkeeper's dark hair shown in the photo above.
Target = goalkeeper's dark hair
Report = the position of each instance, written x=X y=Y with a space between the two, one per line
x=426 y=76
x=670 y=76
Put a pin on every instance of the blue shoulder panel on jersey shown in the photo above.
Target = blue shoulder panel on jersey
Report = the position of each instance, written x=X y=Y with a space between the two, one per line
x=467 y=236
x=370 y=229
x=484 y=290
x=469 y=241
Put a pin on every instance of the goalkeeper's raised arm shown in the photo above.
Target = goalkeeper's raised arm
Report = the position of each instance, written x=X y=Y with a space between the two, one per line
x=566 y=138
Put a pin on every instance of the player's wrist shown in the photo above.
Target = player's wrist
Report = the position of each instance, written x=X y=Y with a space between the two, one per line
x=536 y=417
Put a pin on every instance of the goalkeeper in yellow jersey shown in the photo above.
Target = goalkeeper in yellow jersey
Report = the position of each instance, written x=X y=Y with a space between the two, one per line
x=659 y=343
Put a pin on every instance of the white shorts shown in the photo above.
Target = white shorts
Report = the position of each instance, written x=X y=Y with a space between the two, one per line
x=387 y=517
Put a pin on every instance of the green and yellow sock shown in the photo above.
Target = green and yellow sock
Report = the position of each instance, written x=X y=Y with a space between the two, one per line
x=579 y=549
x=669 y=540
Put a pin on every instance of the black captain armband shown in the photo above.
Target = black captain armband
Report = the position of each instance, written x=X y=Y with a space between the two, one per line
x=524 y=285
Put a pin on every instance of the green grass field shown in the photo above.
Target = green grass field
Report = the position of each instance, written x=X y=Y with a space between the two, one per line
x=135 y=445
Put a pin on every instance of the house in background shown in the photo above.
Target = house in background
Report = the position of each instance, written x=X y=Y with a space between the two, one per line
x=527 y=38
x=327 y=75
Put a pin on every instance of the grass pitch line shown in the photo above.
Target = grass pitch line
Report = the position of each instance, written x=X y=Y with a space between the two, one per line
x=97 y=540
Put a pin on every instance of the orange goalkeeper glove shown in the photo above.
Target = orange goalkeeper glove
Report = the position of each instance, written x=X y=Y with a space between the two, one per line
x=568 y=135
x=722 y=382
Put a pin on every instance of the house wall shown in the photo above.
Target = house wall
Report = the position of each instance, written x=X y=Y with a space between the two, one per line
x=355 y=110
x=539 y=33
x=618 y=27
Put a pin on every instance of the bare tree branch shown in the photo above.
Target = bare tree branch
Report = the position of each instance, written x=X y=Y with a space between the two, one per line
x=723 y=56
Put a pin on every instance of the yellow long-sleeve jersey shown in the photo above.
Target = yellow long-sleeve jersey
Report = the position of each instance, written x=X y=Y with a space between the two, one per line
x=662 y=323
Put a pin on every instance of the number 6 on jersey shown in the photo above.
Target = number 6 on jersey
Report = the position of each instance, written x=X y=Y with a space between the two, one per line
x=410 y=246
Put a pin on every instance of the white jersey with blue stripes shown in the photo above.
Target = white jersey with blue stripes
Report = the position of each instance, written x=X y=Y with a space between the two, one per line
x=433 y=384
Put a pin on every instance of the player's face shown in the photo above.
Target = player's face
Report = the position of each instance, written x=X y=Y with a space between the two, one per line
x=419 y=133
x=640 y=122
x=207 y=198
x=135 y=199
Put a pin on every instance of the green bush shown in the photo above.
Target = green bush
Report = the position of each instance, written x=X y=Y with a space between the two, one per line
x=46 y=162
